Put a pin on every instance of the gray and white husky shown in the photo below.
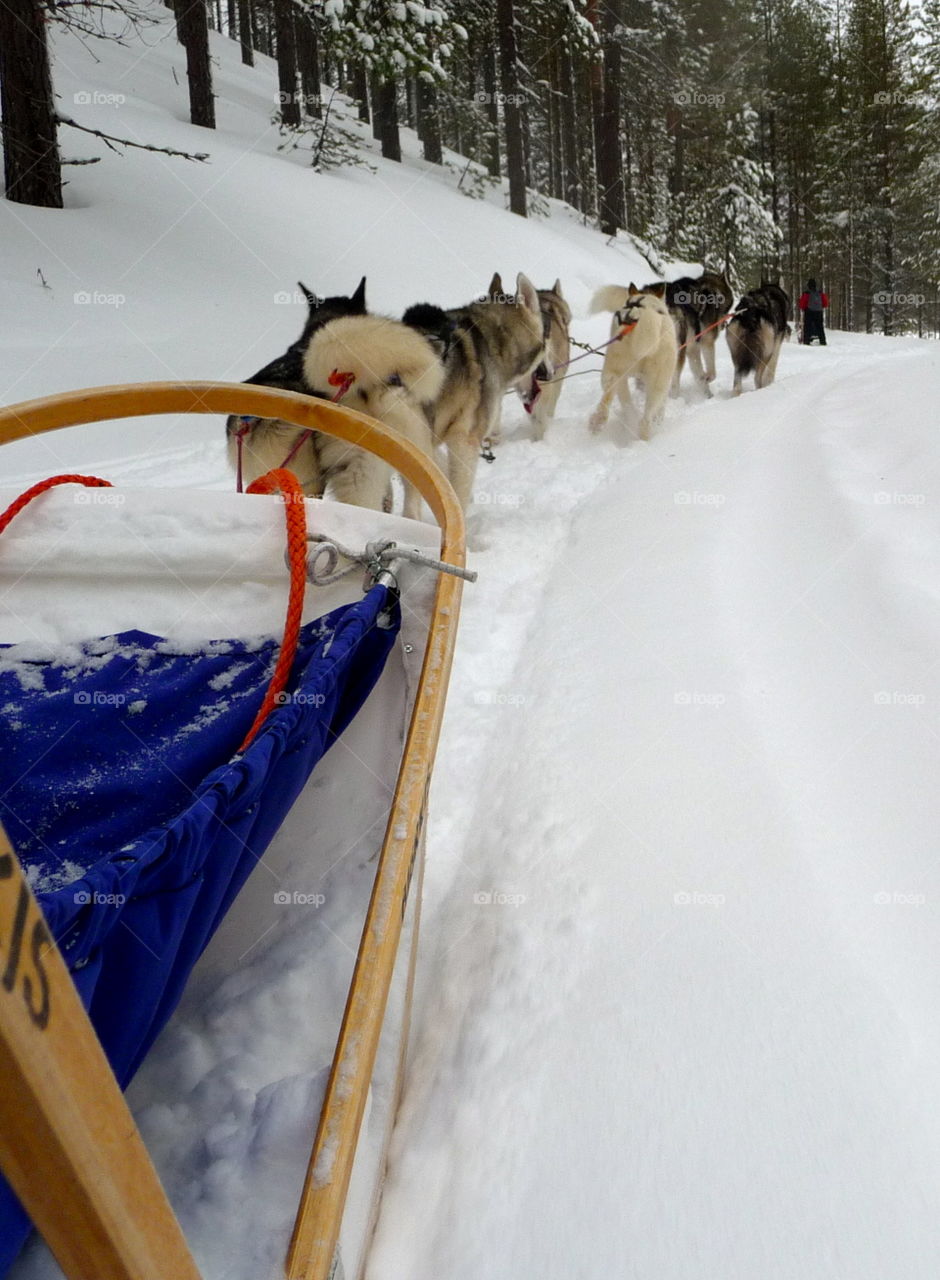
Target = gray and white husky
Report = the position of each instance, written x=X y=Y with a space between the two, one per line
x=539 y=391
x=489 y=347
x=756 y=335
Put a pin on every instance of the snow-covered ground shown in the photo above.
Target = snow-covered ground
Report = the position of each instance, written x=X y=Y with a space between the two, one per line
x=677 y=1000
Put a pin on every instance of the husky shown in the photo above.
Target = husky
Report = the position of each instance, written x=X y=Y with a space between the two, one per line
x=492 y=345
x=697 y=306
x=391 y=372
x=378 y=366
x=539 y=393
x=756 y=335
x=265 y=443
x=647 y=350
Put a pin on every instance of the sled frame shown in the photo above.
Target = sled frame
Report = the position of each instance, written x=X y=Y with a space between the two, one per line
x=71 y=1185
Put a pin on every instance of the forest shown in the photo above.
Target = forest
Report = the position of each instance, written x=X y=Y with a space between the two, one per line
x=781 y=140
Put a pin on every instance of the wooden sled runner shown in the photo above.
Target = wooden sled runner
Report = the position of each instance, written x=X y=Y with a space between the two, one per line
x=68 y=1145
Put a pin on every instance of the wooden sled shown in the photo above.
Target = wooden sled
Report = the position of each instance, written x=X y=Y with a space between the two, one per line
x=68 y=1144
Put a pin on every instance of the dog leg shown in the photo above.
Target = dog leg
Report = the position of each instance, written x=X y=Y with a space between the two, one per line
x=361 y=480
x=695 y=362
x=463 y=452
x=709 y=341
x=602 y=412
x=680 y=365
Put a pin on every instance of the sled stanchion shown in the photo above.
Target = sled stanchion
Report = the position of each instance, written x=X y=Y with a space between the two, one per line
x=69 y=1146
x=400 y=864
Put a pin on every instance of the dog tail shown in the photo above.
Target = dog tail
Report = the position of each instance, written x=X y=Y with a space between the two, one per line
x=611 y=297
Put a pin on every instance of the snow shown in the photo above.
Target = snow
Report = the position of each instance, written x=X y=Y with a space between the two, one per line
x=679 y=969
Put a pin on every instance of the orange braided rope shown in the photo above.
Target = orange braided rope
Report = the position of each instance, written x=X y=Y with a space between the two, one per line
x=295 y=514
x=14 y=509
x=279 y=481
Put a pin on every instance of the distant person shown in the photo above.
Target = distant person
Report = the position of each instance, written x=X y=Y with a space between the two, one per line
x=812 y=305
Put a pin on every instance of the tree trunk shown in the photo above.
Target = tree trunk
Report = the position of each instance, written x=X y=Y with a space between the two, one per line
x=375 y=93
x=490 y=101
x=429 y=121
x=232 y=13
x=192 y=27
x=31 y=167
x=512 y=104
x=359 y=87
x=245 y=32
x=569 y=143
x=286 y=62
x=607 y=126
x=385 y=117
x=308 y=58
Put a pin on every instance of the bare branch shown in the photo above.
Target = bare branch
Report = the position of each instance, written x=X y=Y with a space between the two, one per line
x=108 y=139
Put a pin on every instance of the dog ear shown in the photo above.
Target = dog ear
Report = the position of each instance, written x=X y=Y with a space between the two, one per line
x=632 y=290
x=358 y=299
x=657 y=290
x=312 y=300
x=496 y=286
x=527 y=294
x=556 y=289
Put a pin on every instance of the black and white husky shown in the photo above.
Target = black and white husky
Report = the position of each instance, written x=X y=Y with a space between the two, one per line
x=375 y=365
x=697 y=306
x=757 y=332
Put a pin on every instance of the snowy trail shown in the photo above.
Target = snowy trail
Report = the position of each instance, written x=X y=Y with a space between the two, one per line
x=674 y=1022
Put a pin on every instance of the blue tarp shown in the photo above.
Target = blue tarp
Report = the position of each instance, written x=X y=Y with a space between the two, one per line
x=138 y=823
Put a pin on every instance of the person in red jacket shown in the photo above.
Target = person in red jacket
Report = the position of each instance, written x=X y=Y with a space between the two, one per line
x=813 y=303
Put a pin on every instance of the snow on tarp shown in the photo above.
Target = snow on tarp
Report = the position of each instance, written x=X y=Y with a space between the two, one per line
x=188 y=566
x=124 y=758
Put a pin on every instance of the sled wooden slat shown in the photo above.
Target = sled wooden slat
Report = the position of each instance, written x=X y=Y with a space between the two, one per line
x=317 y=1226
x=68 y=1143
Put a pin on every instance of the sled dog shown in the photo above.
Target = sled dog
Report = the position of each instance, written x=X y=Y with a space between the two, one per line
x=492 y=345
x=756 y=335
x=539 y=393
x=696 y=306
x=378 y=366
x=646 y=351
